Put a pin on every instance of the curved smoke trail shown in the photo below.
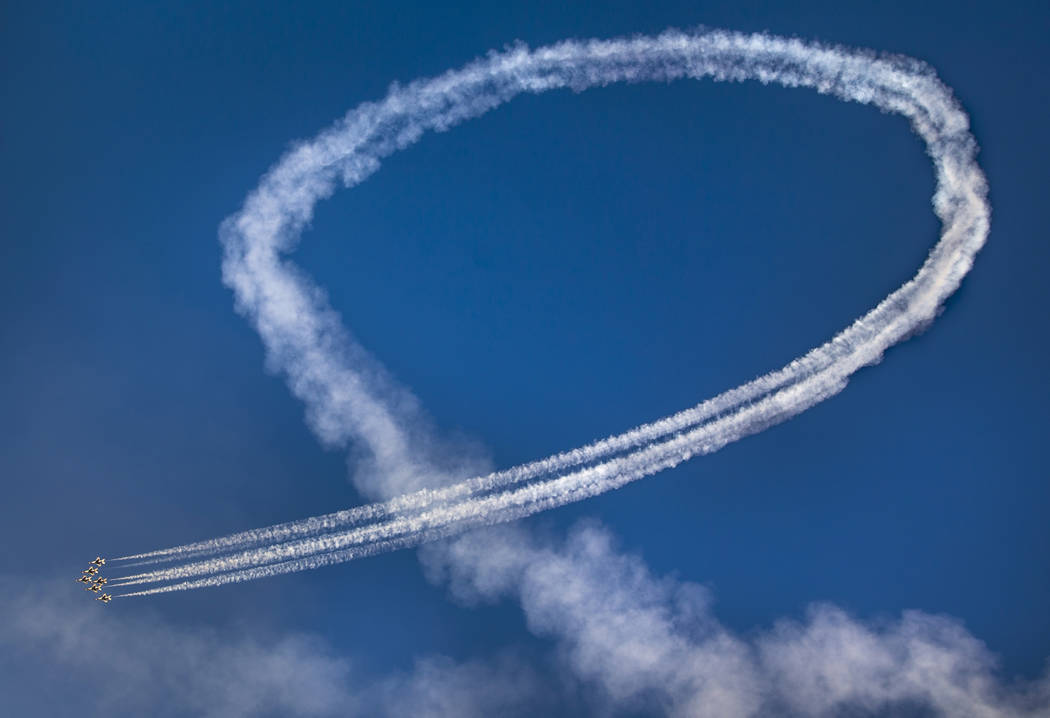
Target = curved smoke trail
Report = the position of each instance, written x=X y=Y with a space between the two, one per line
x=350 y=398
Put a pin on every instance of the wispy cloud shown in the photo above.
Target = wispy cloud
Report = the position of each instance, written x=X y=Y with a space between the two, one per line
x=62 y=656
x=645 y=641
x=439 y=687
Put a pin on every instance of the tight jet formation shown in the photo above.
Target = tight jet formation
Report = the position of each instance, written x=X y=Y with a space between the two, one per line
x=95 y=582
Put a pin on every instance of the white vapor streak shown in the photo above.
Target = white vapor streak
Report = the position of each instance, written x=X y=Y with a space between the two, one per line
x=503 y=506
x=349 y=397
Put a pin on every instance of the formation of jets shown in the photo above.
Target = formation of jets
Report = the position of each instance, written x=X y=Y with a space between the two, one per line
x=95 y=581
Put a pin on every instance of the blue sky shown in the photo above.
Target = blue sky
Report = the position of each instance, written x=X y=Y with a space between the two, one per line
x=558 y=270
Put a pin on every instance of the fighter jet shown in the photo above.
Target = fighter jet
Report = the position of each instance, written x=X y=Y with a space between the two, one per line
x=89 y=571
x=100 y=581
x=105 y=598
x=84 y=579
x=99 y=561
x=96 y=587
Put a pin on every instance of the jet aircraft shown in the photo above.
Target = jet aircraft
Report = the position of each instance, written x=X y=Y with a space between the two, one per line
x=99 y=561
x=105 y=598
x=90 y=571
x=84 y=579
x=96 y=587
x=100 y=581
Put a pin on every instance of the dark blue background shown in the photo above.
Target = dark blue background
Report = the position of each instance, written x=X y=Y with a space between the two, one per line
x=563 y=268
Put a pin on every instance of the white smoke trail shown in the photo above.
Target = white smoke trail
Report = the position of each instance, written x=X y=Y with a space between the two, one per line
x=497 y=507
x=349 y=397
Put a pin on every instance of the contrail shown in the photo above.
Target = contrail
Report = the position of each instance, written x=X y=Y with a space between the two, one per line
x=493 y=508
x=348 y=395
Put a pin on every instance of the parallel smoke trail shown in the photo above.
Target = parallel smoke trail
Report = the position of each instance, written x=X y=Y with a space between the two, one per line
x=511 y=503
x=349 y=397
x=448 y=520
x=424 y=498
